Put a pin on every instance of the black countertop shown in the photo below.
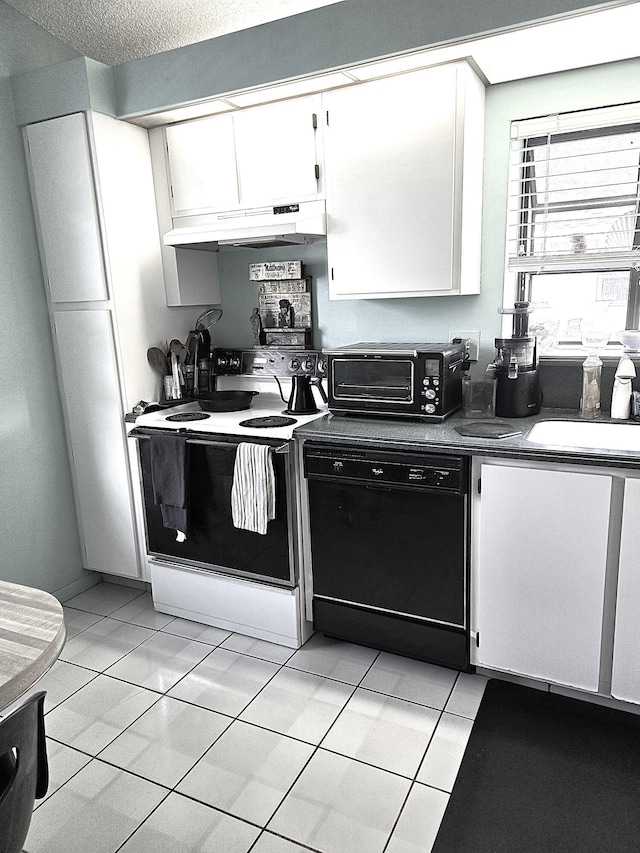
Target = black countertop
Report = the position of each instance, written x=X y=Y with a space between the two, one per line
x=443 y=438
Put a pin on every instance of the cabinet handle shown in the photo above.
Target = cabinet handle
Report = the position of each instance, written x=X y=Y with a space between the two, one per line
x=317 y=172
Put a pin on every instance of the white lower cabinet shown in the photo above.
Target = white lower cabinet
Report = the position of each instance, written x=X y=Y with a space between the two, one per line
x=542 y=559
x=625 y=681
x=96 y=435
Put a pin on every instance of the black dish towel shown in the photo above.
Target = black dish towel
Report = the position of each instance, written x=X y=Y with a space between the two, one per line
x=169 y=476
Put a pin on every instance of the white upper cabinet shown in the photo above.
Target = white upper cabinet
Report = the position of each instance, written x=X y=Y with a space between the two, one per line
x=248 y=158
x=202 y=165
x=403 y=179
x=276 y=151
x=64 y=190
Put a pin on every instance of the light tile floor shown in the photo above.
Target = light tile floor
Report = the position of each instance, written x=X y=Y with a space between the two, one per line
x=165 y=736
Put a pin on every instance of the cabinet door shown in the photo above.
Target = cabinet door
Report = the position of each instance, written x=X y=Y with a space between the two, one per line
x=625 y=681
x=202 y=165
x=276 y=152
x=392 y=185
x=95 y=425
x=539 y=573
x=65 y=202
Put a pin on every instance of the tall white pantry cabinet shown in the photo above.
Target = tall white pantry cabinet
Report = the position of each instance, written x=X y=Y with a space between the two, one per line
x=93 y=197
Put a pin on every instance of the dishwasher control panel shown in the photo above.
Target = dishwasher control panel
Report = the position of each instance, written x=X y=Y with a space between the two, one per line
x=390 y=468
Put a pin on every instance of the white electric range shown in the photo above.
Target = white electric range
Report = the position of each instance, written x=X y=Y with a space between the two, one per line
x=232 y=579
x=267 y=411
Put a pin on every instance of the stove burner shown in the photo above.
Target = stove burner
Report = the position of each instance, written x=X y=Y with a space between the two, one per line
x=269 y=421
x=188 y=416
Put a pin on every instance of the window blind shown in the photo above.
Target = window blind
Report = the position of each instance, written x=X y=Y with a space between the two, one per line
x=574 y=191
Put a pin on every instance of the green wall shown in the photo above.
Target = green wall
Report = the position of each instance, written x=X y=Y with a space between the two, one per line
x=38 y=528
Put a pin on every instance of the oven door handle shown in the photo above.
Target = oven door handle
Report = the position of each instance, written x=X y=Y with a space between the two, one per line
x=284 y=448
x=281 y=450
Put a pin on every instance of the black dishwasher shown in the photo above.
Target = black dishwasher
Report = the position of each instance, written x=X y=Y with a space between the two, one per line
x=389 y=549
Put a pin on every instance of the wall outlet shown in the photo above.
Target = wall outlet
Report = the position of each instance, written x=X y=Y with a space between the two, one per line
x=474 y=342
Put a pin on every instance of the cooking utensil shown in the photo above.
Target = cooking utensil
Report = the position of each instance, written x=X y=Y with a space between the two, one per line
x=157 y=360
x=191 y=346
x=177 y=393
x=208 y=318
x=204 y=322
x=225 y=401
x=177 y=359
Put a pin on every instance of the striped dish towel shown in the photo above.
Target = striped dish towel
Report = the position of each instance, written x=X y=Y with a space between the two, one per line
x=253 y=494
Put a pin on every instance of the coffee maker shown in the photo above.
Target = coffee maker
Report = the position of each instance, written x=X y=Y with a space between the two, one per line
x=518 y=392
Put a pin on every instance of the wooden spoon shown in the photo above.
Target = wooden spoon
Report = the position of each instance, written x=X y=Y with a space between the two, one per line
x=157 y=360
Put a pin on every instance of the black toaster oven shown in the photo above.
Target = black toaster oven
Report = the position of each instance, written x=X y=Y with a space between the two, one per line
x=401 y=380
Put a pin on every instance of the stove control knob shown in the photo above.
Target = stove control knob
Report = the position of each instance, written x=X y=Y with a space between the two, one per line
x=307 y=365
x=429 y=408
x=234 y=362
x=321 y=365
x=430 y=393
x=294 y=364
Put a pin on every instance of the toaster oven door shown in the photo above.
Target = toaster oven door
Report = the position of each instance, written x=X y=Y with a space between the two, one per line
x=359 y=381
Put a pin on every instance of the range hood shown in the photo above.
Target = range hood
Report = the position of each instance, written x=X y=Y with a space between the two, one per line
x=259 y=227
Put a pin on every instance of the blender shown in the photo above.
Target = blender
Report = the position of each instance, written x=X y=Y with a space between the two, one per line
x=515 y=364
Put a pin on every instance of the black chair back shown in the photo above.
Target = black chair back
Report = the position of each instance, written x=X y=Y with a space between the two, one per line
x=24 y=771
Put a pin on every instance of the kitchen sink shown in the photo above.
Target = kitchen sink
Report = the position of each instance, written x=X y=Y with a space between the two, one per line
x=593 y=434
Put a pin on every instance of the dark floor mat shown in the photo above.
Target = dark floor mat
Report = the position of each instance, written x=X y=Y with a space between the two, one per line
x=543 y=773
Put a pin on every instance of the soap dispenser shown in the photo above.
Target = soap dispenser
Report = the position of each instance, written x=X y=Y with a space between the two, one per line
x=622 y=391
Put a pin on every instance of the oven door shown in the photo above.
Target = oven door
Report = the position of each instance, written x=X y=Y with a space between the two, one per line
x=212 y=541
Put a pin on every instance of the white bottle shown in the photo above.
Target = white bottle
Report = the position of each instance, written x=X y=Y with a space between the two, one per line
x=622 y=390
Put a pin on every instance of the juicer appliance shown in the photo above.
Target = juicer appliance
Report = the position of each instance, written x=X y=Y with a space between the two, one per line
x=518 y=392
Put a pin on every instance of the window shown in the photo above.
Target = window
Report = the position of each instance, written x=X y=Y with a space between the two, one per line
x=573 y=233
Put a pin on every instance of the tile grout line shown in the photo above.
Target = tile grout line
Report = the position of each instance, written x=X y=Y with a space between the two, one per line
x=280 y=666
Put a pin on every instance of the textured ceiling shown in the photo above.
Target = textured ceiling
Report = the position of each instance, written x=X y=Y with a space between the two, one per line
x=117 y=31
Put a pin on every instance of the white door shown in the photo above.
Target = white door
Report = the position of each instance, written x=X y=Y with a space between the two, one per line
x=625 y=681
x=63 y=187
x=276 y=152
x=539 y=573
x=95 y=423
x=390 y=160
x=202 y=165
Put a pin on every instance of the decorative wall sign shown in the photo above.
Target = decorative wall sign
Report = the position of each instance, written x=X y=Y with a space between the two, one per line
x=284 y=315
